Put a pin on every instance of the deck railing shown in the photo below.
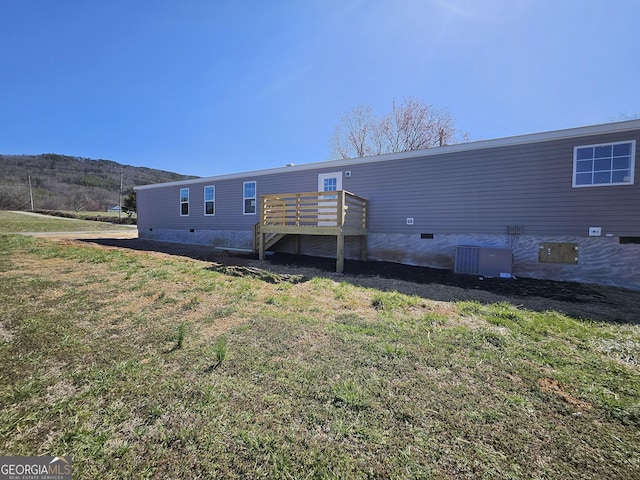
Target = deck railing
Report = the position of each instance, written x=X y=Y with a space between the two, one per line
x=314 y=209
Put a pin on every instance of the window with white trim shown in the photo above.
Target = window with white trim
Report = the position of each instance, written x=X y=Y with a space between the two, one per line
x=184 y=201
x=604 y=164
x=330 y=185
x=210 y=200
x=249 y=198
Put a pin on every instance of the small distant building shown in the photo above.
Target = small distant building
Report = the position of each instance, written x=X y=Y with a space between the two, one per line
x=115 y=208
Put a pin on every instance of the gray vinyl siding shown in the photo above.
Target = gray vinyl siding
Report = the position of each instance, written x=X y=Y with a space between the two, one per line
x=479 y=191
x=487 y=190
x=159 y=207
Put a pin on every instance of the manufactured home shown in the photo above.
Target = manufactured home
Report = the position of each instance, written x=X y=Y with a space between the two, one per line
x=561 y=205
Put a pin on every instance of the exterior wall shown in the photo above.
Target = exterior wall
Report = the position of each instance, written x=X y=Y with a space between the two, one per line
x=160 y=208
x=241 y=239
x=601 y=260
x=487 y=190
x=460 y=195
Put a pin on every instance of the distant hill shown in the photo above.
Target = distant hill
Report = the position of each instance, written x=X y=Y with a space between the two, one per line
x=61 y=182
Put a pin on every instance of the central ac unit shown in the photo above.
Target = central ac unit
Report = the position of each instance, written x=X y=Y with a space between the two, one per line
x=486 y=261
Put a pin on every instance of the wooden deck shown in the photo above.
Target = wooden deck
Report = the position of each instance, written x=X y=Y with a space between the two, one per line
x=340 y=214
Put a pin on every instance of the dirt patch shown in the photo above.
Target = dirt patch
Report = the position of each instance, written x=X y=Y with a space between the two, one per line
x=554 y=387
x=586 y=301
x=262 y=274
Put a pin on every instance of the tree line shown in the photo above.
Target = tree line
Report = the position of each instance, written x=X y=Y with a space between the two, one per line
x=61 y=182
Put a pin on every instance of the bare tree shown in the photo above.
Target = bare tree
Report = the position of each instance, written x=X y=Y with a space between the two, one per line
x=77 y=201
x=356 y=134
x=14 y=197
x=410 y=125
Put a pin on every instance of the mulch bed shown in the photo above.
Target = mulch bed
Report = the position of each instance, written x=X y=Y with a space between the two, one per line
x=521 y=287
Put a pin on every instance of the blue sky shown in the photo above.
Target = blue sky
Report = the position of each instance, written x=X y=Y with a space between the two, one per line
x=208 y=87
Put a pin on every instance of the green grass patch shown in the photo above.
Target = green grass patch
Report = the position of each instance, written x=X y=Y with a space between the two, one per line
x=15 y=222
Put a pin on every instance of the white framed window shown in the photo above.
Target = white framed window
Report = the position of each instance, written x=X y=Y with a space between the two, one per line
x=249 y=198
x=184 y=202
x=210 y=200
x=604 y=164
x=329 y=182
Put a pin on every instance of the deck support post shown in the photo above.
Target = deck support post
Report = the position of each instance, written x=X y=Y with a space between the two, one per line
x=340 y=253
x=296 y=244
x=261 y=240
x=363 y=248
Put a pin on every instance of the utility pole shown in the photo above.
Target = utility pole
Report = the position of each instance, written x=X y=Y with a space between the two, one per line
x=120 y=196
x=30 y=193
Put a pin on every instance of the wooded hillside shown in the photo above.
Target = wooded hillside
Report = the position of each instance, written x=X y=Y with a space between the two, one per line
x=60 y=182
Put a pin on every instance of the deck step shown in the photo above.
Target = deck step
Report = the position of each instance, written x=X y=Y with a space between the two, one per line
x=272 y=240
x=235 y=249
x=269 y=241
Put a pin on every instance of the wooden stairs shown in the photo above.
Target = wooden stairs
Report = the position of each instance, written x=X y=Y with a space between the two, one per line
x=270 y=239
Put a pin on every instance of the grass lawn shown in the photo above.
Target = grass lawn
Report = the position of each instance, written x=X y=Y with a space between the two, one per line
x=13 y=222
x=141 y=365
